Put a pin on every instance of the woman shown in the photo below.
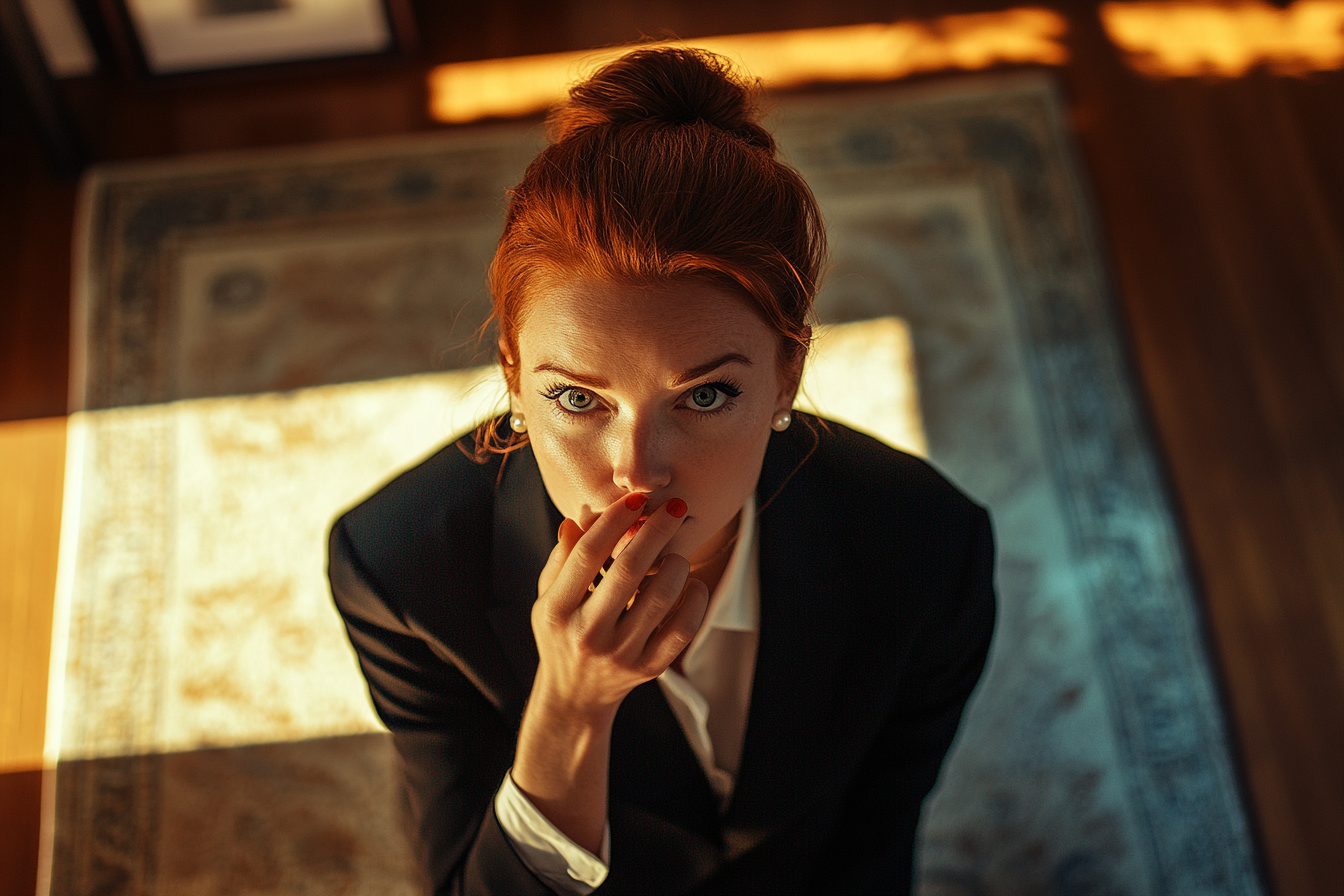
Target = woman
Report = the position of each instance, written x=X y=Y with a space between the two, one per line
x=756 y=694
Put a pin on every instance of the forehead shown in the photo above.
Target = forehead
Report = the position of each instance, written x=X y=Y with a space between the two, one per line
x=594 y=320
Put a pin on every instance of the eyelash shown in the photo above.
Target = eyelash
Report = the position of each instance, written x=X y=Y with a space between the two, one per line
x=729 y=388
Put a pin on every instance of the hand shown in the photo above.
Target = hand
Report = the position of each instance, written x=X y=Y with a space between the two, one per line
x=593 y=650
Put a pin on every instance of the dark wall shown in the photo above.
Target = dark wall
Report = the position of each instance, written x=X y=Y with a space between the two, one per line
x=1223 y=206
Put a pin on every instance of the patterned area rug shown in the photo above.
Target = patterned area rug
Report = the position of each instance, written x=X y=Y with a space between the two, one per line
x=210 y=704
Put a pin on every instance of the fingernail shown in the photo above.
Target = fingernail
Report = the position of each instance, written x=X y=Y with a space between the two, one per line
x=676 y=507
x=635 y=501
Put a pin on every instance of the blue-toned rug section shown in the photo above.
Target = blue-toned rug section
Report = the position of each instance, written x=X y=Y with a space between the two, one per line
x=1094 y=757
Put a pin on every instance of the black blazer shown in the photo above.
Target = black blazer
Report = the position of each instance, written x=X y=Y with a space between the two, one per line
x=877 y=606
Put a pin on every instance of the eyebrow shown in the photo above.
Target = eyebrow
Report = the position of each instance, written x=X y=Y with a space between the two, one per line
x=597 y=382
x=696 y=372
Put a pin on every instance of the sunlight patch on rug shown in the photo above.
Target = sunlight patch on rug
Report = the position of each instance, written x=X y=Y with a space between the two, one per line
x=198 y=608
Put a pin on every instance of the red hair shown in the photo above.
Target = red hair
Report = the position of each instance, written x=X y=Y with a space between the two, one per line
x=658 y=169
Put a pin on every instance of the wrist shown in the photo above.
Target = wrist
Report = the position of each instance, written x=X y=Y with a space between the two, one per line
x=561 y=763
x=555 y=705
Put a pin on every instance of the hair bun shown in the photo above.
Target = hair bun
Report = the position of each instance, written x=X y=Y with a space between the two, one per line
x=668 y=86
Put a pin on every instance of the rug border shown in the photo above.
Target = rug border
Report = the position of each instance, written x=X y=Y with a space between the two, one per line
x=1121 y=395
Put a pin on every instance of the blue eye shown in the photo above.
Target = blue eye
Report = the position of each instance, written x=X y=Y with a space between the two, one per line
x=711 y=396
x=576 y=401
x=707 y=398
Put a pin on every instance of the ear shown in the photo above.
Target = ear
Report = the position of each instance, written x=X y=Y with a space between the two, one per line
x=506 y=358
x=788 y=390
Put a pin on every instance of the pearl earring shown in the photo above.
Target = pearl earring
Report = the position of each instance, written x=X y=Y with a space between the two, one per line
x=517 y=423
x=781 y=421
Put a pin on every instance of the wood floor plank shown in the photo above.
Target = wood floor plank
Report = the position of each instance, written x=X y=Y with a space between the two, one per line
x=20 y=809
x=1223 y=208
x=32 y=469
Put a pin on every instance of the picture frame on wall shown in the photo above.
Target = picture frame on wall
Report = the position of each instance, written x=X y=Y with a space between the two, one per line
x=179 y=37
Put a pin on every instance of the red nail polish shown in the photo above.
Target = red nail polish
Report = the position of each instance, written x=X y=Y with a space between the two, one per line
x=635 y=501
x=676 y=507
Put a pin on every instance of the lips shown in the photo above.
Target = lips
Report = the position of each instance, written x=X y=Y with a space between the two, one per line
x=629 y=535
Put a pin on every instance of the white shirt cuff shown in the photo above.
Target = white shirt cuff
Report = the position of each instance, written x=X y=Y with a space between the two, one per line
x=558 y=861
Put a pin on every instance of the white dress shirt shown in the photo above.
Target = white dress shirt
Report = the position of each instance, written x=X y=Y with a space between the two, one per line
x=710 y=700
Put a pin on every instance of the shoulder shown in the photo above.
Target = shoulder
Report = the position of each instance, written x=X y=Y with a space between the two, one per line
x=421 y=520
x=870 y=484
x=894 y=526
x=859 y=461
x=870 y=510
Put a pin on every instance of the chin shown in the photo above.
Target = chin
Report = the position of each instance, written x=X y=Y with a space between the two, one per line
x=686 y=546
x=695 y=540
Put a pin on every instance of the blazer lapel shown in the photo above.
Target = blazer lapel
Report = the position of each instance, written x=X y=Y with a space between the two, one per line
x=524 y=529
x=657 y=783
x=803 y=629
x=655 y=776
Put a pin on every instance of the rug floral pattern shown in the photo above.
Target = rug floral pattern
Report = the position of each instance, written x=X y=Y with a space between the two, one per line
x=1094 y=757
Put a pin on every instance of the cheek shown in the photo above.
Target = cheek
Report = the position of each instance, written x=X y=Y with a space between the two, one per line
x=572 y=471
x=724 y=464
x=720 y=477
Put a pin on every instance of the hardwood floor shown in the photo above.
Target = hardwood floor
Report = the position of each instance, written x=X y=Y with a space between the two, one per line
x=36 y=215
x=32 y=467
x=32 y=456
x=1222 y=203
x=1225 y=211
x=21 y=797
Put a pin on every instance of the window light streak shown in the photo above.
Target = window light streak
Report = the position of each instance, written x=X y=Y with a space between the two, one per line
x=1191 y=38
x=467 y=91
x=185 y=479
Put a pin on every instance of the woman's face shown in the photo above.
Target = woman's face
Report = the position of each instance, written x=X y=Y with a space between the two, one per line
x=667 y=390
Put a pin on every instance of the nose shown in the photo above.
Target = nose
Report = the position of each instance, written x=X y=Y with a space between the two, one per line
x=641 y=456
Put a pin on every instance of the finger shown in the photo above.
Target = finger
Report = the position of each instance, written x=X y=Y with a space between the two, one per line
x=568 y=536
x=658 y=592
x=594 y=547
x=628 y=570
x=679 y=629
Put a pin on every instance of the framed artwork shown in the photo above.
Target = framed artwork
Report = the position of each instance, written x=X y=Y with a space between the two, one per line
x=173 y=37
